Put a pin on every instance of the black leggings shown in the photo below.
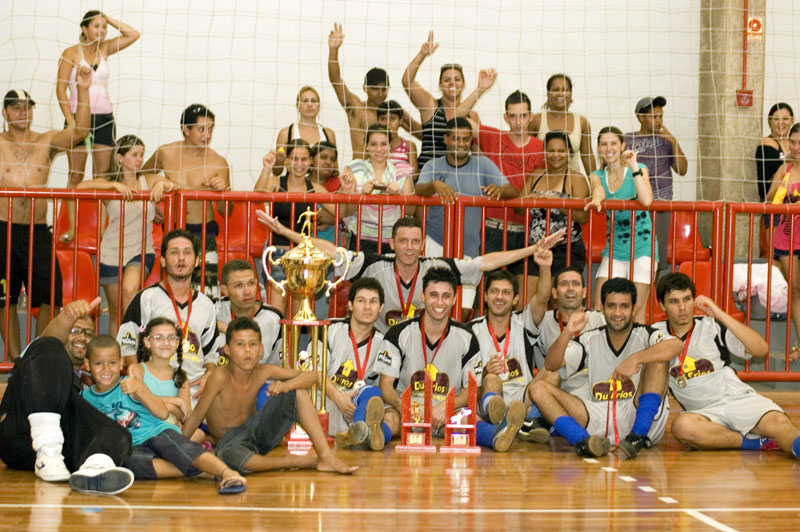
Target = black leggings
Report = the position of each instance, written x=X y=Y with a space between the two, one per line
x=42 y=381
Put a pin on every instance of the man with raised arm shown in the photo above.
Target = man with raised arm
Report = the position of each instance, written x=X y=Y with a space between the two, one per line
x=617 y=397
x=25 y=159
x=361 y=114
x=399 y=272
x=720 y=411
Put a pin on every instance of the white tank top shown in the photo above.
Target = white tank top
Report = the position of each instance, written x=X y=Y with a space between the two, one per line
x=99 y=101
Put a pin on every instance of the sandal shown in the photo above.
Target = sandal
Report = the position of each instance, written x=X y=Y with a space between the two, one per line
x=230 y=485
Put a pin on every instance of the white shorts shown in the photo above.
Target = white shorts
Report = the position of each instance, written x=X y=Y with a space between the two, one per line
x=622 y=268
x=435 y=249
x=599 y=411
x=739 y=414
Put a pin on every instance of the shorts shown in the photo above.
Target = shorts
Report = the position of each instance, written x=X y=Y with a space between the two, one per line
x=600 y=411
x=103 y=130
x=111 y=274
x=740 y=414
x=577 y=255
x=621 y=268
x=39 y=292
x=262 y=432
x=212 y=230
x=435 y=249
x=171 y=446
x=785 y=252
x=514 y=240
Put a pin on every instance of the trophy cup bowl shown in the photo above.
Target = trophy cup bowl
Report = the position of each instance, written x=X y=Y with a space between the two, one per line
x=306 y=268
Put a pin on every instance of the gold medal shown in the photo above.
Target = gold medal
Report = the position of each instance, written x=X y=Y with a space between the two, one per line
x=681 y=382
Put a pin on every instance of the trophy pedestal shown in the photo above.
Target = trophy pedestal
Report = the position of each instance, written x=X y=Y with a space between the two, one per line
x=461 y=438
x=416 y=434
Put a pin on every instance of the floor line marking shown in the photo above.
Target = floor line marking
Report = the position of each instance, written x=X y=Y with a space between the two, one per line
x=709 y=521
x=609 y=469
x=626 y=478
x=647 y=489
x=591 y=460
x=261 y=509
x=668 y=500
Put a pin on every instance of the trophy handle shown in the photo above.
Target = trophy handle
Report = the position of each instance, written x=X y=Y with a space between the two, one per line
x=343 y=259
x=266 y=258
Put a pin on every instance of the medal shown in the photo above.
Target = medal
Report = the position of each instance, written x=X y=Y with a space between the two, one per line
x=504 y=355
x=680 y=381
x=359 y=384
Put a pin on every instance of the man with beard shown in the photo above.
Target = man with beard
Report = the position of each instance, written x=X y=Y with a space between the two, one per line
x=617 y=397
x=174 y=298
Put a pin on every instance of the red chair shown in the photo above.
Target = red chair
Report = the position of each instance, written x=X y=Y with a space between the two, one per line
x=657 y=314
x=703 y=279
x=237 y=233
x=87 y=227
x=686 y=238
x=78 y=278
x=598 y=236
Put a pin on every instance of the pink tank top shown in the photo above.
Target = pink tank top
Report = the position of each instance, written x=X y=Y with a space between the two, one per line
x=99 y=101
x=400 y=153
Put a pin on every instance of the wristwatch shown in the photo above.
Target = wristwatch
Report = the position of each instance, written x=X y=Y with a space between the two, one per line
x=638 y=172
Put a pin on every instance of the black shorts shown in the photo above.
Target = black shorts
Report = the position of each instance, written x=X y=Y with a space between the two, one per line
x=514 y=240
x=39 y=291
x=212 y=230
x=103 y=131
x=577 y=258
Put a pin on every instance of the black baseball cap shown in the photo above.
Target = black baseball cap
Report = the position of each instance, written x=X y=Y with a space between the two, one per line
x=376 y=76
x=14 y=96
x=647 y=103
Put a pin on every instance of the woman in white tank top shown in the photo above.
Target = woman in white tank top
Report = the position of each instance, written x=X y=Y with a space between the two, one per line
x=306 y=128
x=92 y=51
x=556 y=117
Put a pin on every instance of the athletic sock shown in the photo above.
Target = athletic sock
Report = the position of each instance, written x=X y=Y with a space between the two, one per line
x=645 y=413
x=750 y=444
x=364 y=395
x=796 y=447
x=570 y=429
x=485 y=401
x=533 y=413
x=387 y=432
x=484 y=433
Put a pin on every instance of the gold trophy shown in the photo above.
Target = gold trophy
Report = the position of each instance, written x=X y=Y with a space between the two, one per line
x=306 y=269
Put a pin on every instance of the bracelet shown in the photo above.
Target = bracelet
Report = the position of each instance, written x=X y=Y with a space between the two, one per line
x=638 y=173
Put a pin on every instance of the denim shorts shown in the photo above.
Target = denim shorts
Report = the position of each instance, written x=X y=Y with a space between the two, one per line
x=111 y=274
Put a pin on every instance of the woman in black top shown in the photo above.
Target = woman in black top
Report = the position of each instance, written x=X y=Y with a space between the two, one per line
x=769 y=157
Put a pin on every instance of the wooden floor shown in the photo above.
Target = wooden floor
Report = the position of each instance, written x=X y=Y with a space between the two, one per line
x=534 y=486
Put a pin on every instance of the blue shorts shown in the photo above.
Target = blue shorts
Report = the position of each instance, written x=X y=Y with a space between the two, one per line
x=111 y=274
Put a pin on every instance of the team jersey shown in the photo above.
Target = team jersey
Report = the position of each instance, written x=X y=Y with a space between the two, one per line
x=382 y=269
x=550 y=329
x=518 y=353
x=342 y=367
x=269 y=321
x=707 y=363
x=401 y=356
x=593 y=349
x=154 y=302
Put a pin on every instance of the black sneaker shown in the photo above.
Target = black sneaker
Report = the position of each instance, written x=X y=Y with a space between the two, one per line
x=533 y=430
x=633 y=443
x=592 y=446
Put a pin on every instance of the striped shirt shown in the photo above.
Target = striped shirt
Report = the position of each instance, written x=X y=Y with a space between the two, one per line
x=363 y=172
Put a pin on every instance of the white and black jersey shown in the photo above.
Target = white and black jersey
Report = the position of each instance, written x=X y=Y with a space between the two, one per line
x=382 y=268
x=269 y=321
x=594 y=351
x=401 y=357
x=519 y=354
x=154 y=302
x=342 y=367
x=549 y=329
x=707 y=364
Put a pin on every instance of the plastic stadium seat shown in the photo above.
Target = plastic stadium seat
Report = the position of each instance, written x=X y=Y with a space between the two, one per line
x=598 y=236
x=702 y=281
x=87 y=227
x=81 y=271
x=682 y=228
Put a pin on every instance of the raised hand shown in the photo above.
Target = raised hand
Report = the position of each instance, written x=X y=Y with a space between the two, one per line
x=543 y=257
x=269 y=160
x=272 y=223
x=629 y=156
x=335 y=37
x=131 y=385
x=81 y=308
x=83 y=77
x=547 y=242
x=576 y=322
x=486 y=78
x=429 y=46
x=705 y=304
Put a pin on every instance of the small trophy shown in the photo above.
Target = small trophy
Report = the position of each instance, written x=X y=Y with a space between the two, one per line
x=459 y=433
x=306 y=269
x=416 y=433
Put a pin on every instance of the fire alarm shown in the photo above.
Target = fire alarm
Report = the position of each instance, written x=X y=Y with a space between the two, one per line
x=744 y=98
x=755 y=29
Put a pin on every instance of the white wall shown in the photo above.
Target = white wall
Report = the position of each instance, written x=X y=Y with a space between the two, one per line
x=246 y=60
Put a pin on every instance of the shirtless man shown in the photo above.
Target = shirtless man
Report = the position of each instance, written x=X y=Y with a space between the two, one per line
x=193 y=165
x=361 y=114
x=25 y=159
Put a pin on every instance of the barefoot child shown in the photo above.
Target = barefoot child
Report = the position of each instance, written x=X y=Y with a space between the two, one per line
x=245 y=435
x=160 y=450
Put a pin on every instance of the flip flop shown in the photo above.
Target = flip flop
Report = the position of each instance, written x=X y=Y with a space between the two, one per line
x=230 y=486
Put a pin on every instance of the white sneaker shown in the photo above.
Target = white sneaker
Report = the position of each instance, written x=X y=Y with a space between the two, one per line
x=50 y=464
x=100 y=476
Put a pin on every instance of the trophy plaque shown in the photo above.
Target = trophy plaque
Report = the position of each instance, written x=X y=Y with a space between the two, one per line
x=416 y=433
x=459 y=432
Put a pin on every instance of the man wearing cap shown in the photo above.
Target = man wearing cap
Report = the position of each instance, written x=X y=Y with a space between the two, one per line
x=659 y=150
x=25 y=159
x=361 y=114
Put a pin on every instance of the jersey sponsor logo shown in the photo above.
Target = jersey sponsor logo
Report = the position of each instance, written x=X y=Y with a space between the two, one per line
x=385 y=357
x=658 y=336
x=393 y=317
x=477 y=369
x=514 y=369
x=602 y=391
x=346 y=376
x=129 y=340
x=441 y=382
x=693 y=368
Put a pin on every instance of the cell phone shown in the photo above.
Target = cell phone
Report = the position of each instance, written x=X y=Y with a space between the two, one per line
x=380 y=186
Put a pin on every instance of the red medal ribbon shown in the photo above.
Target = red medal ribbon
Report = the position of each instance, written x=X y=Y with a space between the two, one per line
x=181 y=324
x=360 y=369
x=686 y=341
x=507 y=340
x=405 y=306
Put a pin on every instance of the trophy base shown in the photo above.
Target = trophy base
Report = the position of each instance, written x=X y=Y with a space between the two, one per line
x=416 y=442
